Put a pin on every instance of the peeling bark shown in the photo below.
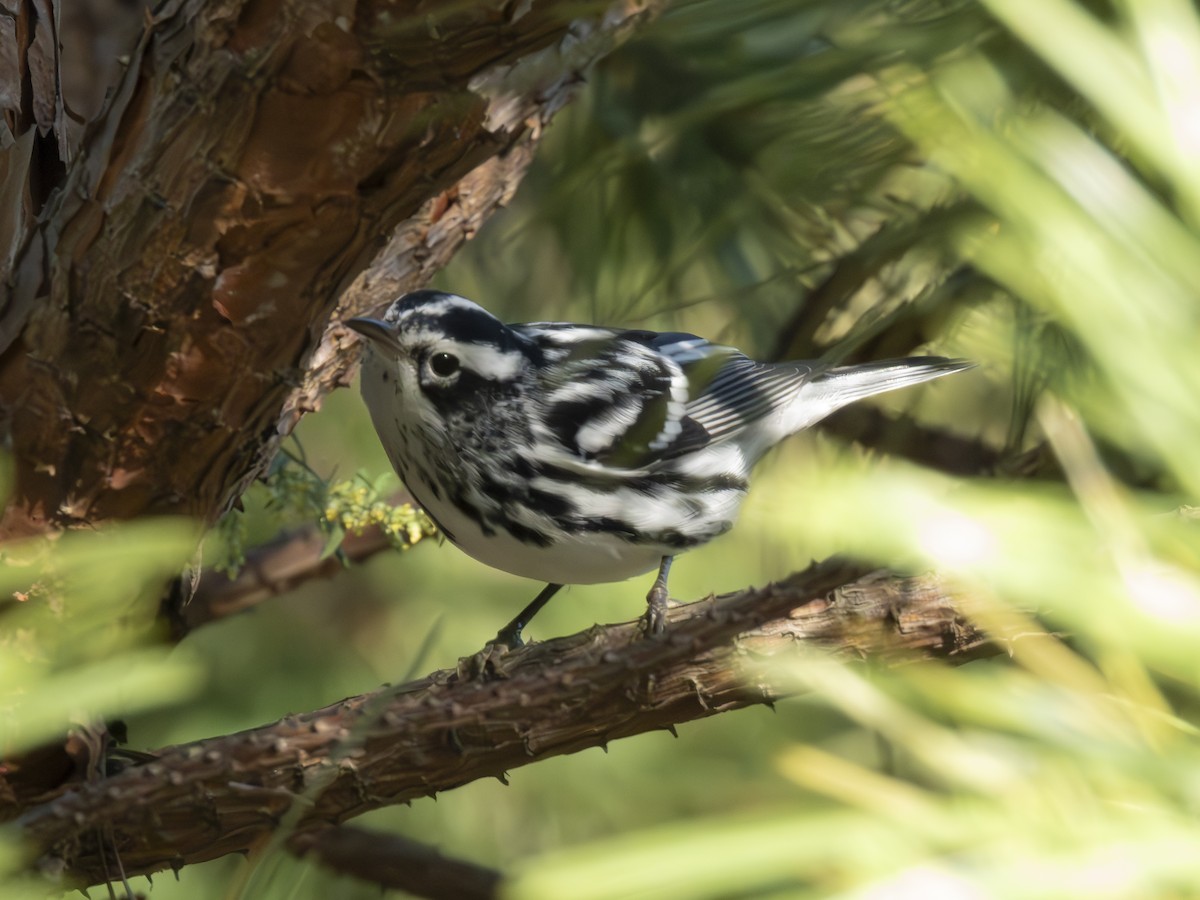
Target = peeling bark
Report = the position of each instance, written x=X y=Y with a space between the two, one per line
x=209 y=798
x=262 y=167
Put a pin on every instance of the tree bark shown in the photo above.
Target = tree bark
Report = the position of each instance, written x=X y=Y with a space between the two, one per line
x=277 y=567
x=223 y=795
x=262 y=168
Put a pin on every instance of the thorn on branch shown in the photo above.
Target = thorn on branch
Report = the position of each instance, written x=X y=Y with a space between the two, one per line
x=151 y=808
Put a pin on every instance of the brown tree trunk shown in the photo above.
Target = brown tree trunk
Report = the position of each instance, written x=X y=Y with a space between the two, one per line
x=262 y=168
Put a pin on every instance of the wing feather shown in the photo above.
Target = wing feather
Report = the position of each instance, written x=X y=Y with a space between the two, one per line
x=660 y=395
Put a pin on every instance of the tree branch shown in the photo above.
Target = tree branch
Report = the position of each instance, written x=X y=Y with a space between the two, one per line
x=276 y=567
x=902 y=436
x=395 y=862
x=212 y=797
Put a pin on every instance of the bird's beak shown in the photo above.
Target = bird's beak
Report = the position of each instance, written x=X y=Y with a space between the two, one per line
x=376 y=332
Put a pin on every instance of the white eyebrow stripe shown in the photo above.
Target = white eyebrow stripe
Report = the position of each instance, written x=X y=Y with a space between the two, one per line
x=484 y=360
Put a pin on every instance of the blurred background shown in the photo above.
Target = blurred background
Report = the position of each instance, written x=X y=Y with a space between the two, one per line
x=1016 y=182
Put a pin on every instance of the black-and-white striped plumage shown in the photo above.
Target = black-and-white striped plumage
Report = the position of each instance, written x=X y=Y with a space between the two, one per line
x=575 y=454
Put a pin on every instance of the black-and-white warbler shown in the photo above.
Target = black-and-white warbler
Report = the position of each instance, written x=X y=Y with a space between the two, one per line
x=574 y=454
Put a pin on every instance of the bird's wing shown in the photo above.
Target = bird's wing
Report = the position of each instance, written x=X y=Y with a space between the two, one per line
x=627 y=399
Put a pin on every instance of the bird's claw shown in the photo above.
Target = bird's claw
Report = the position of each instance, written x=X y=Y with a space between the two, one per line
x=654 y=622
x=489 y=663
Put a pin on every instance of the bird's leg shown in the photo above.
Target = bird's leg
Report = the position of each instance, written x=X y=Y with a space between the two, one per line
x=510 y=634
x=655 y=620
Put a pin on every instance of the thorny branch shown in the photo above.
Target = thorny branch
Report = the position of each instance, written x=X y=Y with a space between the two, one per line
x=213 y=797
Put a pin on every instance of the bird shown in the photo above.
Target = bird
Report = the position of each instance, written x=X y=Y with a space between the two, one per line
x=580 y=454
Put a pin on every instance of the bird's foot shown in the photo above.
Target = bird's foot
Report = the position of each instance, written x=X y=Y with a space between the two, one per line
x=654 y=622
x=489 y=663
x=508 y=637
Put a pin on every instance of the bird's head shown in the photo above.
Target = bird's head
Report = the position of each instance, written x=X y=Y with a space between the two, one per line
x=440 y=345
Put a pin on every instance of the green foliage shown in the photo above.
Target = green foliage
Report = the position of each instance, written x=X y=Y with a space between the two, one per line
x=75 y=632
x=294 y=494
x=75 y=642
x=351 y=506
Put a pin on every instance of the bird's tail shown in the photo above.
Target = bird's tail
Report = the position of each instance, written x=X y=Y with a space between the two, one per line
x=837 y=387
x=850 y=383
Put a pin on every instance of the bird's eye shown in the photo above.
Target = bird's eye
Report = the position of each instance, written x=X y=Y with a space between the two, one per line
x=443 y=365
